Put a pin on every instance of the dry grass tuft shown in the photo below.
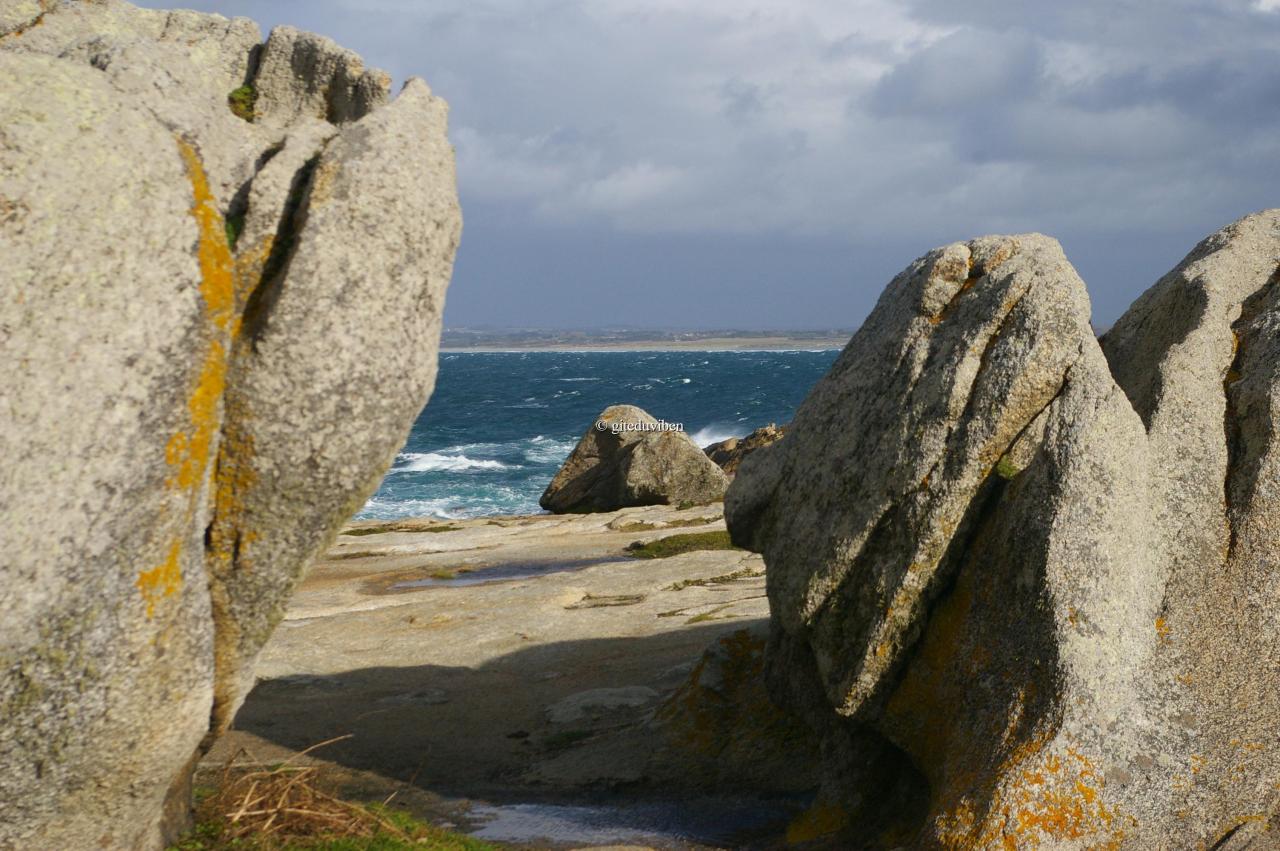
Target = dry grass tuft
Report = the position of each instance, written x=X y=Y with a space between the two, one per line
x=284 y=802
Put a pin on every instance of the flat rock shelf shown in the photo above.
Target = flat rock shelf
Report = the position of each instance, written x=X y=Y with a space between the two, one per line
x=454 y=694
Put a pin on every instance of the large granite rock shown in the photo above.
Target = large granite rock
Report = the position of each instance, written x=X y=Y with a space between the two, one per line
x=626 y=459
x=1027 y=603
x=186 y=424
x=728 y=453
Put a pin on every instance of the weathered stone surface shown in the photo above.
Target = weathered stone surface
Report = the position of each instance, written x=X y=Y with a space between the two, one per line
x=303 y=75
x=335 y=360
x=1197 y=356
x=178 y=418
x=177 y=66
x=18 y=15
x=721 y=730
x=625 y=460
x=112 y=334
x=1016 y=607
x=730 y=452
x=221 y=48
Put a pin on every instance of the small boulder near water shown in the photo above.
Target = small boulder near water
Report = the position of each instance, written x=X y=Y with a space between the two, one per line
x=729 y=453
x=628 y=458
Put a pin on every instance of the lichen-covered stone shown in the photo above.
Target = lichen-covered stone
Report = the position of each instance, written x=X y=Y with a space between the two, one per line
x=335 y=360
x=729 y=453
x=626 y=459
x=115 y=332
x=304 y=75
x=184 y=425
x=222 y=49
x=1034 y=598
x=19 y=15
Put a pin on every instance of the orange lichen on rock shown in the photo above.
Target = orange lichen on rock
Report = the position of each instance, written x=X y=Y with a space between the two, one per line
x=163 y=580
x=217 y=268
x=1052 y=797
x=189 y=450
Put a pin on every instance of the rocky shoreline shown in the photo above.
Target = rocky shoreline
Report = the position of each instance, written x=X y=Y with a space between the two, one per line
x=521 y=659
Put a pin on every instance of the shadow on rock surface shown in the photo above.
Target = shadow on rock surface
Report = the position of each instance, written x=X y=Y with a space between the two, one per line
x=596 y=728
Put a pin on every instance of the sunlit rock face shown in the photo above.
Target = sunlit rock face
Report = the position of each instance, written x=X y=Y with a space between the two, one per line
x=217 y=332
x=1024 y=581
x=627 y=458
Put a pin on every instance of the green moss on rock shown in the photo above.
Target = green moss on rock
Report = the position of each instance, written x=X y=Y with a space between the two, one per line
x=243 y=101
x=677 y=544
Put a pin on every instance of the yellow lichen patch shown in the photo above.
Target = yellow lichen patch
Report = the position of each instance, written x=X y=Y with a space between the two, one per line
x=1162 y=630
x=217 y=269
x=188 y=450
x=1054 y=797
x=163 y=580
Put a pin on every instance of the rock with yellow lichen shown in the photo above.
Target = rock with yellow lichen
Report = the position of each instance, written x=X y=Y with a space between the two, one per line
x=1022 y=581
x=188 y=416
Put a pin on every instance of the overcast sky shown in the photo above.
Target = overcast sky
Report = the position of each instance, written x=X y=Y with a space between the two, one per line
x=724 y=163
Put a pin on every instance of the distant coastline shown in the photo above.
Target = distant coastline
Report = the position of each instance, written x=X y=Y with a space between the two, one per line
x=469 y=340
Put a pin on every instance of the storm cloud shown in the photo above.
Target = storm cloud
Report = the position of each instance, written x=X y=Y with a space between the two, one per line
x=727 y=164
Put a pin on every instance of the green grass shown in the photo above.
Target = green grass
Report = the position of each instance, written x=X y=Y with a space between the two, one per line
x=243 y=101
x=673 y=545
x=646 y=526
x=283 y=809
x=235 y=225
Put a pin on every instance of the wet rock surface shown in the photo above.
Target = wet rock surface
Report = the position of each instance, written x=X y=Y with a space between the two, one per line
x=1020 y=580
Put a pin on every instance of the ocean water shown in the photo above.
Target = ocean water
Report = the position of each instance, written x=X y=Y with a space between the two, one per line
x=500 y=424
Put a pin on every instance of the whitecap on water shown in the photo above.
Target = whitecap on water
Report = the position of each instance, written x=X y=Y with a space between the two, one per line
x=431 y=462
x=546 y=451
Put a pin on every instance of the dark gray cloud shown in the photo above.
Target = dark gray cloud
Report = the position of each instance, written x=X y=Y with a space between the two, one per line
x=668 y=163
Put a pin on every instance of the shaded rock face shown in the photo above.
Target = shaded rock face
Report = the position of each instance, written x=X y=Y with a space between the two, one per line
x=722 y=731
x=188 y=417
x=729 y=453
x=625 y=460
x=1022 y=581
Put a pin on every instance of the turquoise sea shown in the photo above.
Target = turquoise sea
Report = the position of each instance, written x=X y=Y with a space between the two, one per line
x=500 y=424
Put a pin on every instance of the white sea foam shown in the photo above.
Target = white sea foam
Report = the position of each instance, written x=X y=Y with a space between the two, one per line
x=715 y=433
x=432 y=462
x=379 y=508
x=543 y=450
